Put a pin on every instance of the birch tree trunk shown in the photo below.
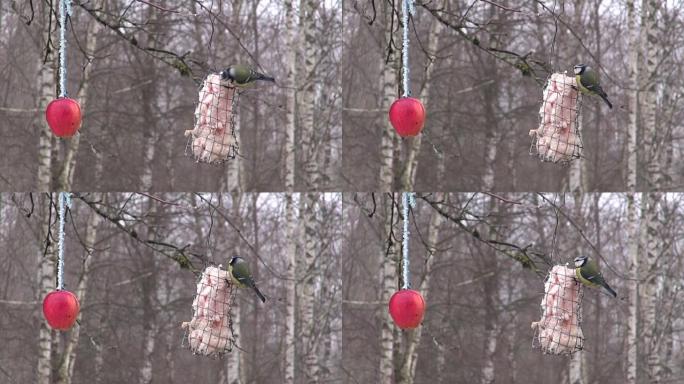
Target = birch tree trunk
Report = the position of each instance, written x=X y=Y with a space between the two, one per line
x=652 y=143
x=388 y=266
x=290 y=215
x=148 y=292
x=306 y=293
x=307 y=108
x=46 y=78
x=408 y=368
x=575 y=173
x=577 y=373
x=234 y=167
x=65 y=372
x=649 y=288
x=290 y=296
x=234 y=360
x=633 y=261
x=389 y=93
x=632 y=95
x=149 y=98
x=290 y=90
x=408 y=177
x=491 y=303
x=66 y=176
x=46 y=283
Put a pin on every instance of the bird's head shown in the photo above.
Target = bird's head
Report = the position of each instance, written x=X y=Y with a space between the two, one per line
x=227 y=74
x=234 y=260
x=580 y=261
x=579 y=69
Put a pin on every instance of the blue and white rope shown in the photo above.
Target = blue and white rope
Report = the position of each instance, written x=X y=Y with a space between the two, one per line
x=408 y=200
x=64 y=11
x=408 y=7
x=64 y=203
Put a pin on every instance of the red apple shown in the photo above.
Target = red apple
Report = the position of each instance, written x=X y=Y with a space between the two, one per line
x=63 y=115
x=60 y=309
x=407 y=116
x=407 y=308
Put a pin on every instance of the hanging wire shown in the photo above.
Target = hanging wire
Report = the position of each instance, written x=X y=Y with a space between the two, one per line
x=408 y=7
x=408 y=200
x=64 y=11
x=64 y=203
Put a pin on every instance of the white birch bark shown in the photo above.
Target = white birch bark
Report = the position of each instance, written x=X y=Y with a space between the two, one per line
x=65 y=372
x=307 y=106
x=575 y=172
x=46 y=78
x=46 y=283
x=234 y=359
x=66 y=176
x=235 y=168
x=389 y=93
x=408 y=177
x=149 y=287
x=388 y=267
x=652 y=144
x=307 y=272
x=290 y=296
x=649 y=288
x=632 y=95
x=408 y=369
x=290 y=89
x=633 y=287
x=492 y=325
x=290 y=214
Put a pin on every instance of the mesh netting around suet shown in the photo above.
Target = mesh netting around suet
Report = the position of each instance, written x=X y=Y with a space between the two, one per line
x=558 y=137
x=213 y=139
x=210 y=332
x=559 y=332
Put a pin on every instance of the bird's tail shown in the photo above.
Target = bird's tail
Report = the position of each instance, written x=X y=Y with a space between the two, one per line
x=605 y=98
x=261 y=76
x=258 y=292
x=609 y=289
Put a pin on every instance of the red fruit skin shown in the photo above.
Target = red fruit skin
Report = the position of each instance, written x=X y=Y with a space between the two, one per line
x=407 y=116
x=60 y=309
x=63 y=115
x=407 y=308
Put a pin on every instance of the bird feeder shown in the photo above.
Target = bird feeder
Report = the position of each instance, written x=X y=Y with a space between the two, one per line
x=213 y=139
x=558 y=138
x=60 y=309
x=407 y=116
x=407 y=308
x=559 y=332
x=210 y=332
x=63 y=115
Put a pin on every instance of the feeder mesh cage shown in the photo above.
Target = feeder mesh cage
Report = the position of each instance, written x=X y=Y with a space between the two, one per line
x=559 y=332
x=213 y=139
x=210 y=332
x=558 y=138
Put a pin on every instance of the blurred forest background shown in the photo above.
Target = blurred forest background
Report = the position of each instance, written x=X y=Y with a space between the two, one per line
x=135 y=67
x=132 y=259
x=328 y=264
x=480 y=261
x=479 y=68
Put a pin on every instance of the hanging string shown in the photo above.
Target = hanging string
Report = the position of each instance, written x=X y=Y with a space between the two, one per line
x=408 y=200
x=64 y=11
x=64 y=203
x=408 y=7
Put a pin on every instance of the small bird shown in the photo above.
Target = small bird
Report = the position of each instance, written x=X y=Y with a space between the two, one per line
x=588 y=82
x=242 y=277
x=587 y=272
x=243 y=75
